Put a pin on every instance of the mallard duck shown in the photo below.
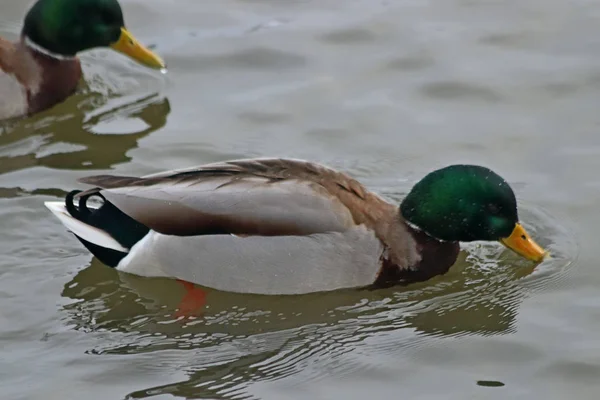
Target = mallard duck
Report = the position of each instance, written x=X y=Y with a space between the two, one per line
x=282 y=226
x=41 y=69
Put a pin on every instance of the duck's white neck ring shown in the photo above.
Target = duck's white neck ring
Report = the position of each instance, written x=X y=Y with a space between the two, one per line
x=31 y=44
x=416 y=228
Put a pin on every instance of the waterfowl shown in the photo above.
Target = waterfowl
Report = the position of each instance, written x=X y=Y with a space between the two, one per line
x=282 y=226
x=41 y=69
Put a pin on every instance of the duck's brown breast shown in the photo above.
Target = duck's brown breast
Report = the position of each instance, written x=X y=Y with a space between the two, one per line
x=435 y=258
x=58 y=79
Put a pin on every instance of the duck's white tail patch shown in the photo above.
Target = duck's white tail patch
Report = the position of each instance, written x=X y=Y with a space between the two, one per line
x=83 y=230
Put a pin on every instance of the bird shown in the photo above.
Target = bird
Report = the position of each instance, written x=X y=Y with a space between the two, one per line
x=41 y=68
x=278 y=226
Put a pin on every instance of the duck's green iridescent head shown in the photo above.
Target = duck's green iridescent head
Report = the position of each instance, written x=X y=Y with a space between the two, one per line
x=67 y=27
x=467 y=203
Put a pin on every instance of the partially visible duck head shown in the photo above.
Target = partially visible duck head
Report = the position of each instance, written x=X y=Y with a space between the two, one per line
x=67 y=27
x=468 y=203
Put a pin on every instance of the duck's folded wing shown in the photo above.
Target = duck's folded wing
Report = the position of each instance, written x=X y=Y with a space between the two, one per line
x=219 y=203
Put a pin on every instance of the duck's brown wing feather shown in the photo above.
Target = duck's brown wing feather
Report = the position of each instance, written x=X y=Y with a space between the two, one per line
x=245 y=197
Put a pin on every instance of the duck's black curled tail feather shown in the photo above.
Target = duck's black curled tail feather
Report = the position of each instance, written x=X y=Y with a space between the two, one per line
x=108 y=218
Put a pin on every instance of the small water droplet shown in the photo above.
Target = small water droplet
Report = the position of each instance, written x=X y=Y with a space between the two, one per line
x=163 y=70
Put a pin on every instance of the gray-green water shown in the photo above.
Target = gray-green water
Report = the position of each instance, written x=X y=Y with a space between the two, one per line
x=386 y=90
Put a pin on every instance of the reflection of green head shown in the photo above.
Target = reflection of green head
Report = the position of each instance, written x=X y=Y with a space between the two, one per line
x=67 y=27
x=462 y=203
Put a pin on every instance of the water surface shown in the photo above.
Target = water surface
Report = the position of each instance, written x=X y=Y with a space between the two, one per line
x=385 y=90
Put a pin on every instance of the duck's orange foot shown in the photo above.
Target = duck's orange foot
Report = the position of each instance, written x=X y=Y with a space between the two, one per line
x=193 y=300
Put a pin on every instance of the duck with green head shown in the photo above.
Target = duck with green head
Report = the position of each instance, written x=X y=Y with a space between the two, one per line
x=281 y=226
x=41 y=69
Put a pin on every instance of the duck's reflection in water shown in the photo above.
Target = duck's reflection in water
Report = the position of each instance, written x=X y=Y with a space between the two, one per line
x=236 y=339
x=78 y=134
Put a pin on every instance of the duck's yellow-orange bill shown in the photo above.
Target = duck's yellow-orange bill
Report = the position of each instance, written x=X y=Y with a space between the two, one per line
x=128 y=45
x=521 y=243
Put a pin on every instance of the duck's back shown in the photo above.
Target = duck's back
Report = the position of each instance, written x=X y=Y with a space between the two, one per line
x=272 y=196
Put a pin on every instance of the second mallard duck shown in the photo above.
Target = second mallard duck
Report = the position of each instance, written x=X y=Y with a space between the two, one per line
x=277 y=226
x=41 y=69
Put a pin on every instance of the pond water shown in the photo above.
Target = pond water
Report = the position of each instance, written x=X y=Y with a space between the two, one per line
x=385 y=90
